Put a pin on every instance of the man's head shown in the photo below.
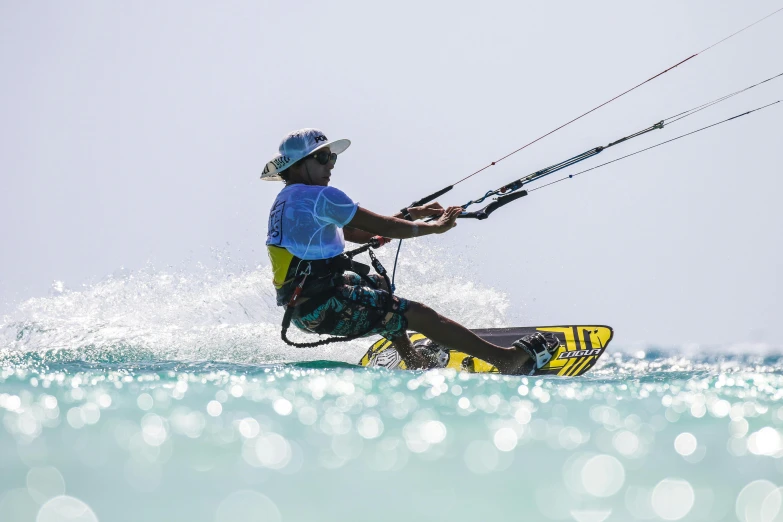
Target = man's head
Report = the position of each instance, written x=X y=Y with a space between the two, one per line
x=315 y=169
x=305 y=156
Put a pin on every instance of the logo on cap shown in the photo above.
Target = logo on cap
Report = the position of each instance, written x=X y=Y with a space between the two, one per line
x=282 y=161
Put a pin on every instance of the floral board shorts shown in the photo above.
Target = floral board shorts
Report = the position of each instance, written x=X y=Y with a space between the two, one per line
x=353 y=309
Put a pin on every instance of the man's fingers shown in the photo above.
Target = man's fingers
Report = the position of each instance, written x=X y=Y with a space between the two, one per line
x=426 y=211
x=431 y=211
x=453 y=214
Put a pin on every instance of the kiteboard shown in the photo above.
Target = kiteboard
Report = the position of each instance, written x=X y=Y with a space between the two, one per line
x=580 y=347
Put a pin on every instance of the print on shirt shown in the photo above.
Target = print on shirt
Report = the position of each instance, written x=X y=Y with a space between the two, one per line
x=275 y=230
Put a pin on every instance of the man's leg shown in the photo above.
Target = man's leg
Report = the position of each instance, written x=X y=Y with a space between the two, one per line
x=450 y=334
x=413 y=359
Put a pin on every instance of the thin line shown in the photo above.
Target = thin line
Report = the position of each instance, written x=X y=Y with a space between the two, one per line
x=703 y=106
x=577 y=118
x=616 y=97
x=652 y=147
x=738 y=32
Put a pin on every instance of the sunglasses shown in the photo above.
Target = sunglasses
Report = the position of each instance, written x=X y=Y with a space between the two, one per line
x=324 y=156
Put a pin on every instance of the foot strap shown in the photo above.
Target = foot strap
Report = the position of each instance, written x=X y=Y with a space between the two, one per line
x=539 y=348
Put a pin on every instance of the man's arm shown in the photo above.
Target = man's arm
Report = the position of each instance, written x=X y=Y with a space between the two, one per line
x=354 y=235
x=377 y=225
x=433 y=209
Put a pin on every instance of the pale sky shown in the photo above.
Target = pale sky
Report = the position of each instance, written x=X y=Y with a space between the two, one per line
x=135 y=132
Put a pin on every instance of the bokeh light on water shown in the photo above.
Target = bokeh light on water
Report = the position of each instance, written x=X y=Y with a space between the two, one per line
x=636 y=439
x=168 y=396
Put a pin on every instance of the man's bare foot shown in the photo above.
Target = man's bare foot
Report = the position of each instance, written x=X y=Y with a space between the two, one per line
x=513 y=362
x=538 y=349
x=414 y=360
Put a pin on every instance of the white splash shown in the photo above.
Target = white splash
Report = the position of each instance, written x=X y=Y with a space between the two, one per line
x=226 y=313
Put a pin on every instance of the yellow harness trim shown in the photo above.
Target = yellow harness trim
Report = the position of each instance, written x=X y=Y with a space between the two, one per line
x=281 y=262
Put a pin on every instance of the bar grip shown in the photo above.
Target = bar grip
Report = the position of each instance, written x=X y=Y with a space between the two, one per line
x=422 y=201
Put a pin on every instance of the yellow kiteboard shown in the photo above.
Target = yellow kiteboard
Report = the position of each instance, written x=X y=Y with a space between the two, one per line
x=580 y=347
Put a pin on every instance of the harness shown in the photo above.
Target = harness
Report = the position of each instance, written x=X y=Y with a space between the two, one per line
x=332 y=268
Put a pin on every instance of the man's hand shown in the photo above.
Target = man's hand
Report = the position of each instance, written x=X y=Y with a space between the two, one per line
x=447 y=220
x=432 y=209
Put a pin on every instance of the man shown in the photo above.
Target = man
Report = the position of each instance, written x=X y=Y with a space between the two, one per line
x=308 y=225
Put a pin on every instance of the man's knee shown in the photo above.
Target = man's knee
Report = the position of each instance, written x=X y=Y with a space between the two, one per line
x=418 y=312
x=416 y=308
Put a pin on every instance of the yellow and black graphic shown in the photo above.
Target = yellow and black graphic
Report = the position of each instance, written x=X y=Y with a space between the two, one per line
x=580 y=348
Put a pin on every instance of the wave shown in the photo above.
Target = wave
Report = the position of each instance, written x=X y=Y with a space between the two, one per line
x=225 y=313
x=200 y=316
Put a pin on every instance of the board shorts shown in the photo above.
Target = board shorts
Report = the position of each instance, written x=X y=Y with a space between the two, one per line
x=353 y=309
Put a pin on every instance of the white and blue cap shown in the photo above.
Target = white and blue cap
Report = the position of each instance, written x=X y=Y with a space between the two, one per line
x=297 y=145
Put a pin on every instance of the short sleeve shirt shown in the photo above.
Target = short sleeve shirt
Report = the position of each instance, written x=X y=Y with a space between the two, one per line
x=307 y=221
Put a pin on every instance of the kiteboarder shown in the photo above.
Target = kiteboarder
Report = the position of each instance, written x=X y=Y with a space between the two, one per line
x=320 y=287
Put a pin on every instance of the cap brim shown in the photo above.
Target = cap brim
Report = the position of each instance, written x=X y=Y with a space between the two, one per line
x=336 y=146
x=271 y=173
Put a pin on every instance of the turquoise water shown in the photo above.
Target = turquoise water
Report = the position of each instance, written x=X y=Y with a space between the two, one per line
x=166 y=395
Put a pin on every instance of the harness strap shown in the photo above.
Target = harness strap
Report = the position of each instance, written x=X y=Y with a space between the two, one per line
x=359 y=268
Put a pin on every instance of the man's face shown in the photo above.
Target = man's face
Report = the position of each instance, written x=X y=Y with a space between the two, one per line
x=315 y=171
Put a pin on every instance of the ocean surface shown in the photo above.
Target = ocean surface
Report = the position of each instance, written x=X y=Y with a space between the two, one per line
x=166 y=394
